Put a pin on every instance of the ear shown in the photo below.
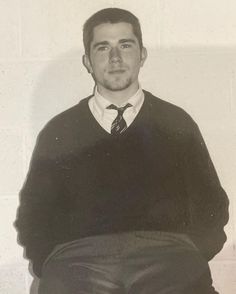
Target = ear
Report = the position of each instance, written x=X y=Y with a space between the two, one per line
x=143 y=55
x=87 y=63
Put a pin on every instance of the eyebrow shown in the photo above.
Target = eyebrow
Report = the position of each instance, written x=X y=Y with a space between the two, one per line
x=100 y=43
x=107 y=43
x=127 y=41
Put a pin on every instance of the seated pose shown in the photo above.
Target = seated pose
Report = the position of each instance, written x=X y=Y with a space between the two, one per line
x=121 y=195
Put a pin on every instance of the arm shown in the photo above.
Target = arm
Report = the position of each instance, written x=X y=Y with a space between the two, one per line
x=37 y=205
x=208 y=202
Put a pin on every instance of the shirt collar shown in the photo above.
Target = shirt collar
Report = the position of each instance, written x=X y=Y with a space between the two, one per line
x=101 y=103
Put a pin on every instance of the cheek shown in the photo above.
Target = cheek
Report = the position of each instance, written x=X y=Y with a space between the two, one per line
x=132 y=58
x=99 y=63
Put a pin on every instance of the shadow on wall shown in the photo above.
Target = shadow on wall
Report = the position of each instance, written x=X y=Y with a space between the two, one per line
x=62 y=83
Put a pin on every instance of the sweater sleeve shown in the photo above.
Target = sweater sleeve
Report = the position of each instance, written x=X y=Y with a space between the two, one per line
x=208 y=202
x=37 y=205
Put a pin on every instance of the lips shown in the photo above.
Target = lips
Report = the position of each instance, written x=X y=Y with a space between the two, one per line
x=116 y=71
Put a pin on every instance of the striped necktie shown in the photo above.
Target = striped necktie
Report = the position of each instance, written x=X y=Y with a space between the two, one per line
x=119 y=124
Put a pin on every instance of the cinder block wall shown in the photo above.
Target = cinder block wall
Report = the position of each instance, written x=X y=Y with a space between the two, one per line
x=191 y=63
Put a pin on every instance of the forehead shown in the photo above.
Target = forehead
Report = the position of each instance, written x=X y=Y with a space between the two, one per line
x=113 y=31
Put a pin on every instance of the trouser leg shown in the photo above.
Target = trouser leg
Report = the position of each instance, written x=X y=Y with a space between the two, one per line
x=183 y=272
x=131 y=263
x=202 y=285
x=78 y=277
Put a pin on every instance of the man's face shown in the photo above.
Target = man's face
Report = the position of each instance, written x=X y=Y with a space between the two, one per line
x=115 y=57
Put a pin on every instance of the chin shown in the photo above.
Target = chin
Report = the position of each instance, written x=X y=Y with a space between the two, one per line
x=118 y=85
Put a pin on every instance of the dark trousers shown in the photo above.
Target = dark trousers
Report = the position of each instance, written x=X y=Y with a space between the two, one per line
x=133 y=263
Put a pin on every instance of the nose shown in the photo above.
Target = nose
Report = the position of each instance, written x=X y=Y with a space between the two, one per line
x=115 y=55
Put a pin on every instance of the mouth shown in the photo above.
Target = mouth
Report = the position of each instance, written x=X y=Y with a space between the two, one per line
x=116 y=71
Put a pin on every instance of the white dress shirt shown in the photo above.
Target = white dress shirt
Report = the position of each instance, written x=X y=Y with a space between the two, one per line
x=105 y=117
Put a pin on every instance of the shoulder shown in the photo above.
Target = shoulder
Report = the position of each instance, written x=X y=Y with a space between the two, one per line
x=62 y=131
x=169 y=116
x=69 y=119
x=70 y=116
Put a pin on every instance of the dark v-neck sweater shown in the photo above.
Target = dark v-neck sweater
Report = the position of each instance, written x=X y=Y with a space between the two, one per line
x=157 y=175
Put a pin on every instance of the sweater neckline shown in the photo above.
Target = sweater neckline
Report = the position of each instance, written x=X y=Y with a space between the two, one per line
x=96 y=125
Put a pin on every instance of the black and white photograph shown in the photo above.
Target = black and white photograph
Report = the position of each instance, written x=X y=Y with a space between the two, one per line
x=118 y=147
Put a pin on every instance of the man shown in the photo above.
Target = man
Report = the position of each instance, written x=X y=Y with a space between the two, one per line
x=121 y=196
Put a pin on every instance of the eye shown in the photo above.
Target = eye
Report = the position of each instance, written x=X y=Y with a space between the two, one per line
x=102 y=48
x=126 y=45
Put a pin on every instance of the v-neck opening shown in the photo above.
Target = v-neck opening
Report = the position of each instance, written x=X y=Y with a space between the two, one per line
x=98 y=126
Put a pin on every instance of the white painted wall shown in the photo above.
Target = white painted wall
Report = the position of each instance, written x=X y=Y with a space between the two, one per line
x=192 y=63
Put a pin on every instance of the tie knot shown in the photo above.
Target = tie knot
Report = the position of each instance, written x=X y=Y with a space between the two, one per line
x=119 y=109
x=119 y=124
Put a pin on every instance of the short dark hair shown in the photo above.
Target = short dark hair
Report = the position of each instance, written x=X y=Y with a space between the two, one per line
x=110 y=15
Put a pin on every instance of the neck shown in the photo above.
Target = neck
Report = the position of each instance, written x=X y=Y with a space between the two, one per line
x=118 y=97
